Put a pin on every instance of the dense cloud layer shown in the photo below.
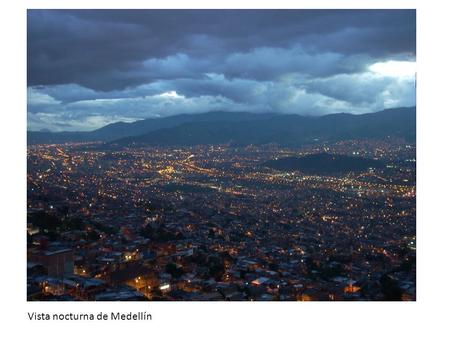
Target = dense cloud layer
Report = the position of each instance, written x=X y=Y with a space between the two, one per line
x=87 y=68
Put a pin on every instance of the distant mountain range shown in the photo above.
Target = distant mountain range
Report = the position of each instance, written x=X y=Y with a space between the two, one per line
x=242 y=128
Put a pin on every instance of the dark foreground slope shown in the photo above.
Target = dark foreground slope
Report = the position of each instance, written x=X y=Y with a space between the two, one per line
x=322 y=164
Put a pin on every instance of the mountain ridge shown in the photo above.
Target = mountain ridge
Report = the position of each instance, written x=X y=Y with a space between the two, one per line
x=244 y=128
x=286 y=130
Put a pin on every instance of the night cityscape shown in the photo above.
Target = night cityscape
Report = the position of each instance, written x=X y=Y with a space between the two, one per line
x=213 y=163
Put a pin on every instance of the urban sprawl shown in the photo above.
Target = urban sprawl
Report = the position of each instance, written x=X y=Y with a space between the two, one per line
x=213 y=223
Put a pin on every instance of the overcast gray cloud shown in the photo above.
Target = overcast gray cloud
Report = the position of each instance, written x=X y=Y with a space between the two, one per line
x=87 y=68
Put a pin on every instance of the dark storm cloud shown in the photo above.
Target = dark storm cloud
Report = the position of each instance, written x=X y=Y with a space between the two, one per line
x=87 y=68
x=106 y=50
